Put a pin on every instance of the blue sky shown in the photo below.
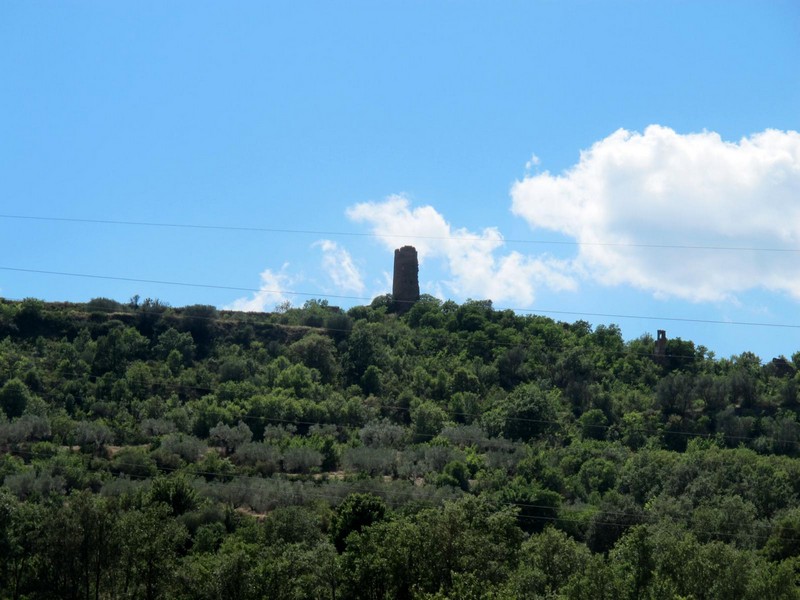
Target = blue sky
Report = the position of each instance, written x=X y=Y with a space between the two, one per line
x=611 y=126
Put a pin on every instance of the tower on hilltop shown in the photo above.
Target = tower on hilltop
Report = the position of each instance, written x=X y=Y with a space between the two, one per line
x=660 y=352
x=405 y=287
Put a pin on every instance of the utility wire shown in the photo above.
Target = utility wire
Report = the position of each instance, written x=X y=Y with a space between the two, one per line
x=179 y=283
x=399 y=236
x=366 y=298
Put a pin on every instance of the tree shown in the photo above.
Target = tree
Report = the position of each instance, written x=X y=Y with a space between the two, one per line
x=617 y=514
x=529 y=412
x=92 y=436
x=469 y=536
x=364 y=348
x=547 y=562
x=77 y=548
x=199 y=319
x=230 y=438
x=116 y=348
x=173 y=340
x=135 y=462
x=14 y=397
x=594 y=424
x=455 y=473
x=357 y=512
x=537 y=506
x=317 y=352
x=176 y=492
x=149 y=541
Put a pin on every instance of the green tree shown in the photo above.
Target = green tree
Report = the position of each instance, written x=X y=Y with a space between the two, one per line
x=354 y=514
x=14 y=397
x=594 y=424
x=455 y=473
x=427 y=420
x=174 y=341
x=77 y=548
x=529 y=411
x=176 y=492
x=547 y=562
x=317 y=352
x=117 y=347
x=149 y=542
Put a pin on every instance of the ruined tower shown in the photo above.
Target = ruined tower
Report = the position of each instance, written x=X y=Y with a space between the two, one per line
x=660 y=352
x=405 y=287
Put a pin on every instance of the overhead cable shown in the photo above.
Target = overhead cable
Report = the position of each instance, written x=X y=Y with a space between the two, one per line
x=399 y=235
x=368 y=299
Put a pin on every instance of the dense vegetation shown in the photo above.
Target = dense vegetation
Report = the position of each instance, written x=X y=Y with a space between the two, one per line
x=454 y=451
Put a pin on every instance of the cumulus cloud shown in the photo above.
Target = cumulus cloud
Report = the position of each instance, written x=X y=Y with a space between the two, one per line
x=474 y=261
x=633 y=191
x=271 y=293
x=339 y=266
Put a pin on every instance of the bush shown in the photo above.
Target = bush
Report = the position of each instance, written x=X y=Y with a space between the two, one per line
x=264 y=458
x=134 y=462
x=91 y=436
x=29 y=483
x=301 y=460
x=372 y=461
x=382 y=434
x=188 y=447
x=27 y=428
x=230 y=438
x=176 y=492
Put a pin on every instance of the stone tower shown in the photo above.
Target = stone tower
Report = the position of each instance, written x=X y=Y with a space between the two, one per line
x=405 y=287
x=660 y=353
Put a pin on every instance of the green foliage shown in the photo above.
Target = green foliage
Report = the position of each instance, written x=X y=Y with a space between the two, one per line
x=456 y=473
x=427 y=420
x=174 y=341
x=317 y=352
x=448 y=452
x=357 y=512
x=594 y=424
x=548 y=561
x=14 y=397
x=528 y=412
x=230 y=438
x=537 y=506
x=134 y=462
x=176 y=492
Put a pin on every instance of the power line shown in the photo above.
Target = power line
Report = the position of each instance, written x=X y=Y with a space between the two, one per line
x=181 y=283
x=367 y=299
x=400 y=236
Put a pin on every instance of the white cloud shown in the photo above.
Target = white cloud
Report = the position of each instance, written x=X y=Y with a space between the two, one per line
x=533 y=161
x=271 y=293
x=661 y=187
x=339 y=266
x=477 y=269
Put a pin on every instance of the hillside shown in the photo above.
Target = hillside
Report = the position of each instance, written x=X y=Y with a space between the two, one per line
x=454 y=451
